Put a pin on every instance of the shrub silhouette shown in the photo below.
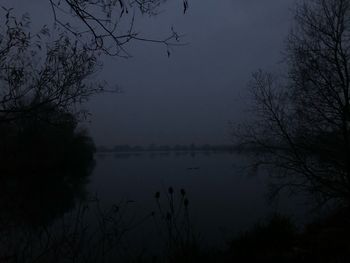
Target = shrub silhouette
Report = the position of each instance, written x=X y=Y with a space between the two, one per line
x=46 y=161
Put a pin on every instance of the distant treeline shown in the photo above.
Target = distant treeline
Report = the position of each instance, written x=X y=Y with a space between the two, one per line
x=167 y=148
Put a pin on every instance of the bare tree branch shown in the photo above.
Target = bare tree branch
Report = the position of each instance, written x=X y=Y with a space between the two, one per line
x=302 y=121
x=108 y=25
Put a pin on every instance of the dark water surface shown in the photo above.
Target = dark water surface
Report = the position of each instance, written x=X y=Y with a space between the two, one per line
x=224 y=199
x=55 y=215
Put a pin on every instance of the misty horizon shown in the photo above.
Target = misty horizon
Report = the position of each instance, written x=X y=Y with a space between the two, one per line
x=193 y=95
x=171 y=131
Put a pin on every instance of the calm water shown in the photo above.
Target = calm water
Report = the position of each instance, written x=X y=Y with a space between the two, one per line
x=223 y=198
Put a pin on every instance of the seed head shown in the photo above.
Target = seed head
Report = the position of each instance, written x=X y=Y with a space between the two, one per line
x=171 y=190
x=157 y=195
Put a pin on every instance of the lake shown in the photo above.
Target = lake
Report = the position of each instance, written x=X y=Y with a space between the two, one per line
x=148 y=202
x=224 y=197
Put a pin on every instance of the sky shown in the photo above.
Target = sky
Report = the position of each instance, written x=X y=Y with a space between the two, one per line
x=193 y=95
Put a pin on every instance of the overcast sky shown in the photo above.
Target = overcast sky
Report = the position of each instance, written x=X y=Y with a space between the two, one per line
x=191 y=96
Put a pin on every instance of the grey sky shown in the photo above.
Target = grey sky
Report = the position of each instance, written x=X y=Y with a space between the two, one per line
x=191 y=96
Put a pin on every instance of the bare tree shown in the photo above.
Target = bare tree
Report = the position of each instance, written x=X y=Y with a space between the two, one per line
x=108 y=25
x=301 y=121
x=37 y=74
x=34 y=71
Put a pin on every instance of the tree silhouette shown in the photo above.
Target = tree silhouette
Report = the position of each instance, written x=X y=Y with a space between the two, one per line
x=42 y=151
x=301 y=122
x=108 y=25
x=38 y=74
x=45 y=166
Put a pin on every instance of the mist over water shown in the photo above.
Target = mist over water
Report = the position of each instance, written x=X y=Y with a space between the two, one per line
x=159 y=131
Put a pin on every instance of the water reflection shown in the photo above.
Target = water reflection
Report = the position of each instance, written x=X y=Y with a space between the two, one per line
x=224 y=200
x=40 y=199
x=45 y=168
x=45 y=171
x=161 y=154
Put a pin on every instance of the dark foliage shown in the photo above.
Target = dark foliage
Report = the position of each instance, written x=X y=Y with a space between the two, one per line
x=44 y=165
x=266 y=242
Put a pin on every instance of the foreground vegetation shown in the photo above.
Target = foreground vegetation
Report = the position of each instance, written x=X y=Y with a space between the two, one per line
x=94 y=233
